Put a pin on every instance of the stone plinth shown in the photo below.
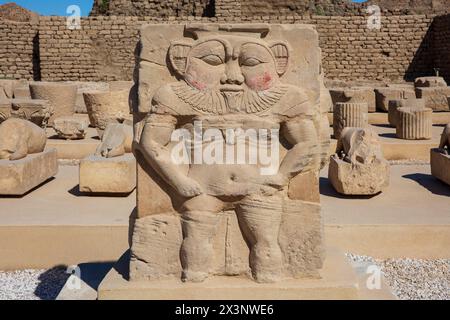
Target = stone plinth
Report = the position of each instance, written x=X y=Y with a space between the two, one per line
x=440 y=165
x=359 y=179
x=108 y=175
x=395 y=104
x=336 y=280
x=384 y=95
x=349 y=115
x=61 y=97
x=414 y=123
x=355 y=95
x=71 y=128
x=436 y=98
x=20 y=176
x=106 y=107
x=429 y=82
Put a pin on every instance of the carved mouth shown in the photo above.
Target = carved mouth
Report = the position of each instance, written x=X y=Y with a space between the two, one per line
x=231 y=88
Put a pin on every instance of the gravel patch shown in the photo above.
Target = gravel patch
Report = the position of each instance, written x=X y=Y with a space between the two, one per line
x=414 y=279
x=32 y=284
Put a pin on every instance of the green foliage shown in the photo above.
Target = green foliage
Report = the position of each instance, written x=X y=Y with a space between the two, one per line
x=104 y=6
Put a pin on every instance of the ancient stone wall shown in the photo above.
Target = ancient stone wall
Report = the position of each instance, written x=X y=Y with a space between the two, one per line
x=441 y=31
x=17 y=41
x=105 y=47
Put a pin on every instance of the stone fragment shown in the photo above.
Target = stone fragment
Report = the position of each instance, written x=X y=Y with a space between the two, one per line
x=22 y=92
x=414 y=123
x=349 y=115
x=436 y=98
x=358 y=167
x=6 y=89
x=61 y=97
x=70 y=127
x=18 y=177
x=429 y=82
x=403 y=103
x=5 y=109
x=440 y=165
x=355 y=95
x=106 y=107
x=116 y=140
x=34 y=110
x=384 y=95
x=108 y=175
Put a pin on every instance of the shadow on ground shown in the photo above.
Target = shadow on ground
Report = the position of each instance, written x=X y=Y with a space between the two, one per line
x=429 y=182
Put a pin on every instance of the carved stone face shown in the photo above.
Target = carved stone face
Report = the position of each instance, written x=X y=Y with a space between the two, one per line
x=230 y=63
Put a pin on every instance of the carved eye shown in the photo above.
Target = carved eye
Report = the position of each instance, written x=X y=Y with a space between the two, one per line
x=250 y=62
x=212 y=59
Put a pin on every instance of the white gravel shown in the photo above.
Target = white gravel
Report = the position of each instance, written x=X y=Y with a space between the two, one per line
x=414 y=279
x=32 y=284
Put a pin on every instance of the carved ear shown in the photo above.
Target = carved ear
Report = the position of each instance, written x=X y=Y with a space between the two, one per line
x=178 y=53
x=281 y=52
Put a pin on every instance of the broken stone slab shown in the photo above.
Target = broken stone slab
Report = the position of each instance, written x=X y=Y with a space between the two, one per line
x=71 y=128
x=360 y=179
x=108 y=175
x=61 y=97
x=384 y=95
x=34 y=110
x=402 y=103
x=18 y=177
x=354 y=95
x=349 y=115
x=414 y=123
x=436 y=98
x=440 y=165
x=106 y=107
x=429 y=82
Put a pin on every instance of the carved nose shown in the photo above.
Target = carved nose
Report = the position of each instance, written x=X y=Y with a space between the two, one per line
x=233 y=74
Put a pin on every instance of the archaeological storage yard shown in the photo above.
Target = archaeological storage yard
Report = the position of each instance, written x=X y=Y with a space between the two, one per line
x=87 y=182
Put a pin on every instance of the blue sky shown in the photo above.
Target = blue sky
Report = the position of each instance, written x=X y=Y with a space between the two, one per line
x=58 y=7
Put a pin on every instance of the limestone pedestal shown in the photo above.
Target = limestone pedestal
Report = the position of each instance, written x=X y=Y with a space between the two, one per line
x=108 y=175
x=414 y=123
x=336 y=280
x=440 y=165
x=350 y=179
x=349 y=115
x=20 y=176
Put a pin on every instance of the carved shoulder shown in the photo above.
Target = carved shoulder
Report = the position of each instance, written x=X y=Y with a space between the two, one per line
x=296 y=102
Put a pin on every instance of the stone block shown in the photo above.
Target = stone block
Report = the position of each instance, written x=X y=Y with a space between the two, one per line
x=355 y=95
x=349 y=115
x=359 y=179
x=403 y=103
x=71 y=128
x=429 y=82
x=20 y=176
x=440 y=165
x=34 y=110
x=436 y=98
x=108 y=175
x=384 y=95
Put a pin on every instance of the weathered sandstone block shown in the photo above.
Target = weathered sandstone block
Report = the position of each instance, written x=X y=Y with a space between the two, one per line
x=116 y=140
x=106 y=107
x=18 y=177
x=71 y=128
x=404 y=103
x=22 y=92
x=108 y=175
x=436 y=98
x=440 y=165
x=358 y=167
x=355 y=95
x=6 y=89
x=414 y=123
x=34 y=110
x=349 y=115
x=5 y=109
x=428 y=82
x=384 y=95
x=61 y=97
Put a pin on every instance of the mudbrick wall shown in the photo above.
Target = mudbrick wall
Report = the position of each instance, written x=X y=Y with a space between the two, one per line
x=106 y=46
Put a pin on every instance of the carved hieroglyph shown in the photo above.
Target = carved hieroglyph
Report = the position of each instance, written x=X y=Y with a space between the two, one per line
x=227 y=218
x=358 y=167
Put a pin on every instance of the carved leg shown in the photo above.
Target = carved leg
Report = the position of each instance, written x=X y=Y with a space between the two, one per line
x=260 y=220
x=199 y=222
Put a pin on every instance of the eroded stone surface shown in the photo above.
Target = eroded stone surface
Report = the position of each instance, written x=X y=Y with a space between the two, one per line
x=403 y=103
x=428 y=82
x=384 y=95
x=116 y=140
x=108 y=175
x=358 y=167
x=355 y=95
x=71 y=128
x=20 y=176
x=436 y=98
x=414 y=123
x=61 y=97
x=225 y=90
